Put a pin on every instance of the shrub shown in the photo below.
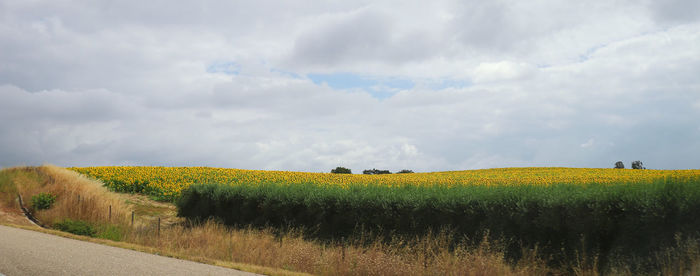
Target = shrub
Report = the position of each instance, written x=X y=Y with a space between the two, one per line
x=77 y=227
x=43 y=201
x=405 y=171
x=341 y=170
x=619 y=165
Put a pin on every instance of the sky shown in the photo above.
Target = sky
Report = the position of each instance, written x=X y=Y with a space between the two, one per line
x=312 y=85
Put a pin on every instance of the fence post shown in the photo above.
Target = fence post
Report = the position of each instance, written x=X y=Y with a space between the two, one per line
x=158 y=226
x=343 y=247
x=132 y=218
x=110 y=212
x=425 y=255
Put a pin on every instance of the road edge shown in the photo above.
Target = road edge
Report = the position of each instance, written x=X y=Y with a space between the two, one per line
x=149 y=250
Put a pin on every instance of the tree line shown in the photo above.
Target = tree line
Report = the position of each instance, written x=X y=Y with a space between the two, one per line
x=370 y=172
x=637 y=165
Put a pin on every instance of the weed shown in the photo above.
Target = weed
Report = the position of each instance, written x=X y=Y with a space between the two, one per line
x=77 y=227
x=110 y=232
x=43 y=201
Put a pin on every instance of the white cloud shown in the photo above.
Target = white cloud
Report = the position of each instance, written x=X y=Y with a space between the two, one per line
x=409 y=150
x=589 y=143
x=504 y=70
x=521 y=84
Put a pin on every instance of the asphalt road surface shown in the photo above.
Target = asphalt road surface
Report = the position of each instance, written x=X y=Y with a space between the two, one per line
x=24 y=252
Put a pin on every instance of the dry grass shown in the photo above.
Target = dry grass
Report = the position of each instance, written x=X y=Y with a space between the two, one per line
x=15 y=180
x=77 y=198
x=426 y=256
x=214 y=243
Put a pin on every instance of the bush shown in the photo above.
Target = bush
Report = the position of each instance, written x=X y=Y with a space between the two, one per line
x=619 y=165
x=77 y=227
x=341 y=170
x=405 y=171
x=43 y=201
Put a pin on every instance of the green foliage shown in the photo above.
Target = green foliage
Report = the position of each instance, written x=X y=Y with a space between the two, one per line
x=109 y=232
x=85 y=228
x=77 y=227
x=134 y=187
x=341 y=170
x=627 y=220
x=405 y=171
x=138 y=187
x=43 y=201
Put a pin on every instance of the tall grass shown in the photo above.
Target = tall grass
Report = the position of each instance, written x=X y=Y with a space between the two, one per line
x=15 y=180
x=427 y=255
x=77 y=198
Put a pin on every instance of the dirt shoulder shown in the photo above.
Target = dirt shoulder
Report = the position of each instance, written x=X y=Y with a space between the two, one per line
x=13 y=216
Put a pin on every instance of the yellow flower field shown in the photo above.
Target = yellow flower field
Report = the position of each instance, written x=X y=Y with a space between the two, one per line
x=170 y=181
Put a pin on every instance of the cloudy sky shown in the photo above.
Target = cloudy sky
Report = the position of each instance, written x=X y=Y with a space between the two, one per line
x=311 y=85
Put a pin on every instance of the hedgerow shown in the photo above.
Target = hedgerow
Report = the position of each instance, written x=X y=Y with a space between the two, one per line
x=624 y=220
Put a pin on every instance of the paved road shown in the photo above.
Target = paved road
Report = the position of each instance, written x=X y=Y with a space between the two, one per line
x=24 y=252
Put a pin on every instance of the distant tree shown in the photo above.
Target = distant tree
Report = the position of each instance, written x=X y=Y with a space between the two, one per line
x=375 y=171
x=637 y=165
x=405 y=171
x=619 y=165
x=341 y=170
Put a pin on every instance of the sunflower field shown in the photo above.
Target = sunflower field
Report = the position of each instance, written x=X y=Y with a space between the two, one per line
x=564 y=212
x=166 y=183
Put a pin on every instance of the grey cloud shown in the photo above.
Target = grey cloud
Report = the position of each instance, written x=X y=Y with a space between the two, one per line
x=361 y=36
x=487 y=25
x=522 y=30
x=675 y=11
x=231 y=17
x=59 y=106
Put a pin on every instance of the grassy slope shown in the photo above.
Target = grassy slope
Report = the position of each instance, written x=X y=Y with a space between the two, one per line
x=68 y=185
